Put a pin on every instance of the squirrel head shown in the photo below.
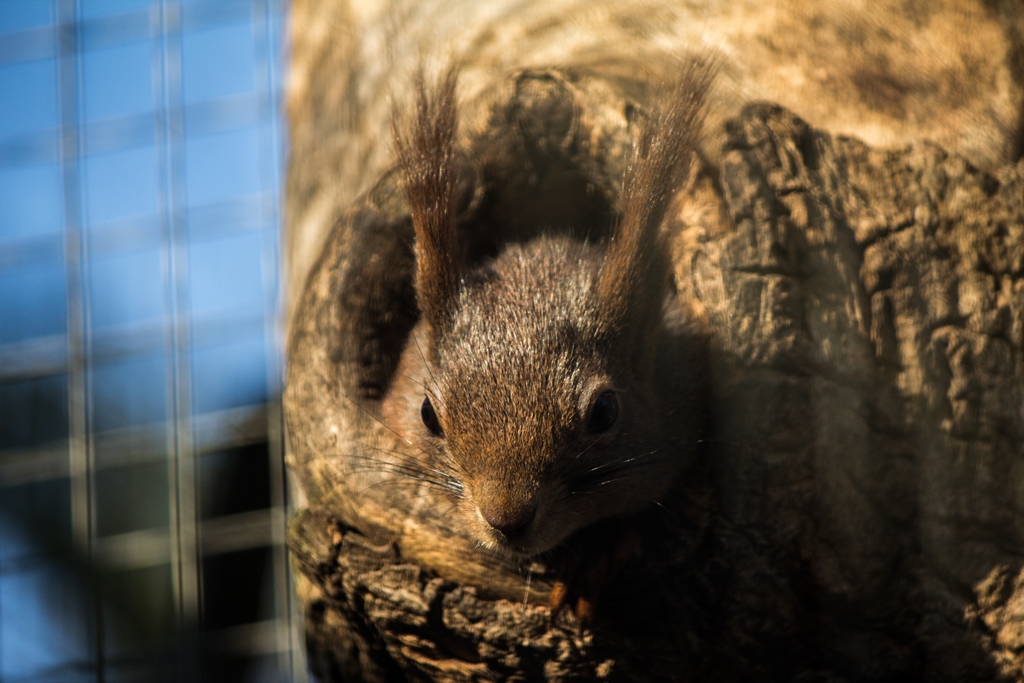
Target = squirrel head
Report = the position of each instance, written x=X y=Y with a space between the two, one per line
x=528 y=383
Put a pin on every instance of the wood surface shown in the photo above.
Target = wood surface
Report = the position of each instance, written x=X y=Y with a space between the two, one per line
x=857 y=511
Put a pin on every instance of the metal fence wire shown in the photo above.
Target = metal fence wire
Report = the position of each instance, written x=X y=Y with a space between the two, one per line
x=142 y=494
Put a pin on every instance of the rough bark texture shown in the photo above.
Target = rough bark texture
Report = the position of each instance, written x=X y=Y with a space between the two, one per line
x=887 y=71
x=859 y=513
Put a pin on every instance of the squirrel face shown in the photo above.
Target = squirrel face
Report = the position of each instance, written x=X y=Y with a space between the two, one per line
x=532 y=406
x=527 y=383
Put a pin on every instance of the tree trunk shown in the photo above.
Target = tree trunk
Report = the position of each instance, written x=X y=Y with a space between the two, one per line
x=857 y=514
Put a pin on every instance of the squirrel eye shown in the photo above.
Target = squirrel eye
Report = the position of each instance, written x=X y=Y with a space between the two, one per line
x=603 y=413
x=430 y=417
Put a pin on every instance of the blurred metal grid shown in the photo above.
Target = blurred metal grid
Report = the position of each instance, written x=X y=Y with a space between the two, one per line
x=189 y=540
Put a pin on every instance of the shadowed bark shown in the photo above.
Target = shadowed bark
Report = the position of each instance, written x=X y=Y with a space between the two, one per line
x=857 y=514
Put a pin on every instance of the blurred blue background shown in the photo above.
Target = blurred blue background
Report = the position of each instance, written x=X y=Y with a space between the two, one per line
x=142 y=496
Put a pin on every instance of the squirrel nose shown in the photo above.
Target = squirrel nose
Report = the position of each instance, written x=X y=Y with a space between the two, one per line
x=509 y=521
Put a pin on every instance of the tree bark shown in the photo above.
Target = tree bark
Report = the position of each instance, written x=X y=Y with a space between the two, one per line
x=858 y=511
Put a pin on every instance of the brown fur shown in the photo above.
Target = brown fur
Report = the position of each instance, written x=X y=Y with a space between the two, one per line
x=427 y=159
x=631 y=287
x=512 y=353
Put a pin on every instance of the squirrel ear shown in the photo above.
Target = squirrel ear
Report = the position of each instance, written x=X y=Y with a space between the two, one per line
x=634 y=277
x=426 y=155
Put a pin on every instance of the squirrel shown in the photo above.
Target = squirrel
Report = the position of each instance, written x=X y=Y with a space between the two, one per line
x=542 y=384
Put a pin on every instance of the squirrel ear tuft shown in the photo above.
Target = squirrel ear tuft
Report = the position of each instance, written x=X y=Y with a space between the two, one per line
x=426 y=155
x=634 y=277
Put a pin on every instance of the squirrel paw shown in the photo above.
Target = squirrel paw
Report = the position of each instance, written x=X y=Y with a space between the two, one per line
x=586 y=564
